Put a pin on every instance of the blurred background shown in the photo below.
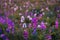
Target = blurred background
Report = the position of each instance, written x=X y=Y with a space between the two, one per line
x=29 y=19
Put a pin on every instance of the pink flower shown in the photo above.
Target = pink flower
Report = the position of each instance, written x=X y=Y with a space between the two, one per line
x=56 y=24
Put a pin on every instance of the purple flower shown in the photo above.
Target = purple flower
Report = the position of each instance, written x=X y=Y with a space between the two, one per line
x=2 y=20
x=56 y=24
x=48 y=37
x=43 y=26
x=8 y=30
x=34 y=32
x=34 y=21
x=25 y=33
x=4 y=37
x=10 y=24
x=58 y=15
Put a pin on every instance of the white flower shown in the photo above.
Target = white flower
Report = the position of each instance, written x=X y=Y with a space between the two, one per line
x=22 y=18
x=28 y=16
x=20 y=13
x=43 y=13
x=15 y=8
x=39 y=26
x=42 y=9
x=24 y=25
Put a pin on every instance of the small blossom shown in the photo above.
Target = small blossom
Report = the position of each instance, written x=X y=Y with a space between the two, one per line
x=25 y=33
x=2 y=20
x=34 y=33
x=39 y=26
x=47 y=8
x=34 y=21
x=43 y=13
x=24 y=25
x=56 y=24
x=30 y=18
x=20 y=14
x=48 y=37
x=35 y=15
x=42 y=9
x=15 y=8
x=22 y=18
x=10 y=24
x=43 y=26
x=30 y=25
x=4 y=37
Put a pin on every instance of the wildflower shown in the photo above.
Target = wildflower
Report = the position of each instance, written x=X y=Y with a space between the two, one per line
x=7 y=30
x=10 y=24
x=34 y=21
x=2 y=20
x=56 y=24
x=35 y=15
x=34 y=34
x=15 y=8
x=47 y=8
x=24 y=25
x=29 y=25
x=39 y=26
x=43 y=26
x=41 y=15
x=58 y=15
x=20 y=14
x=4 y=37
x=30 y=18
x=42 y=9
x=48 y=37
x=22 y=18
x=25 y=33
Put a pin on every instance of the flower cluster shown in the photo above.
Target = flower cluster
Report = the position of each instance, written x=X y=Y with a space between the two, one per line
x=29 y=19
